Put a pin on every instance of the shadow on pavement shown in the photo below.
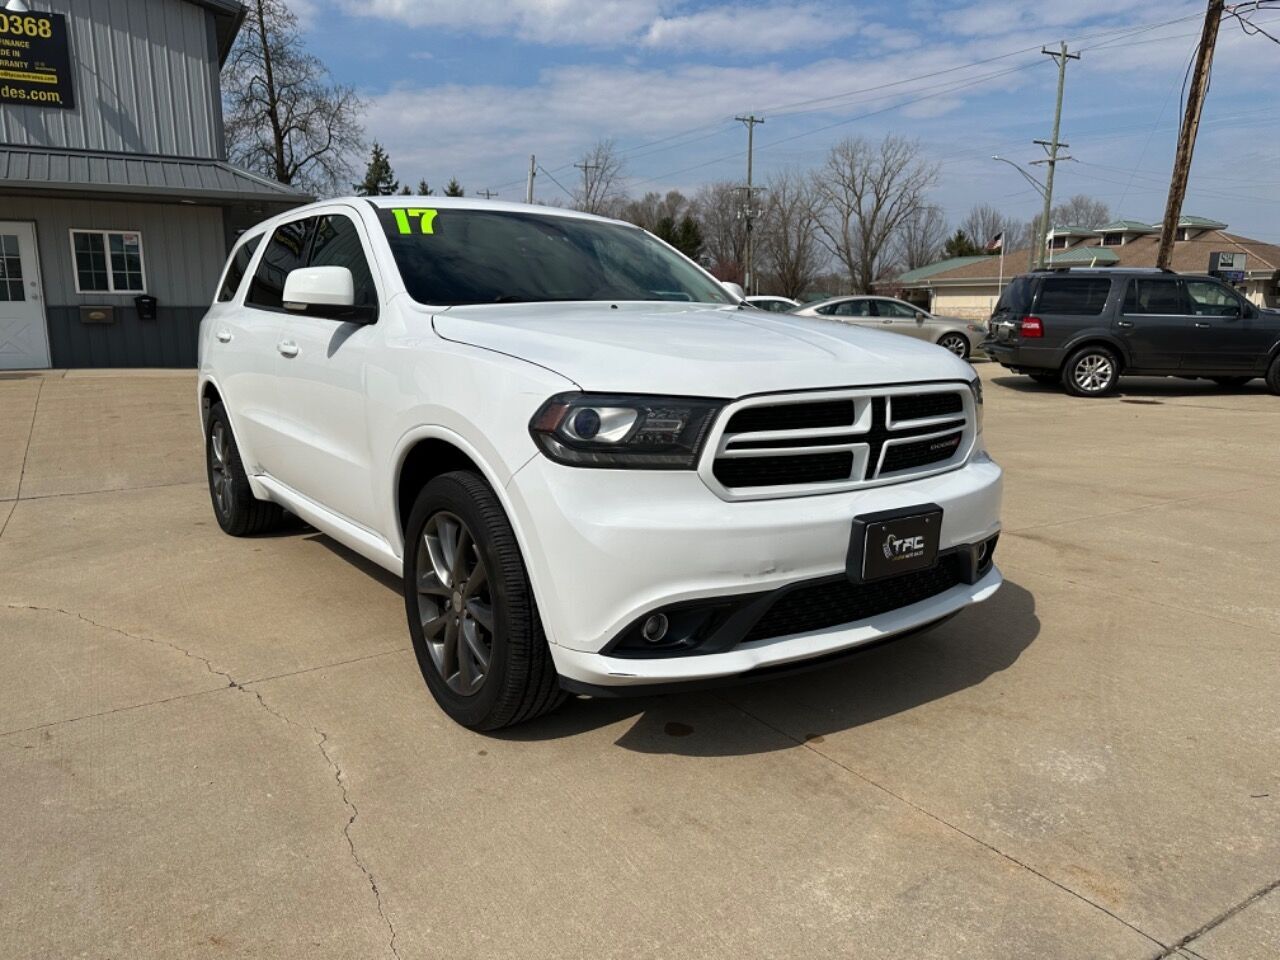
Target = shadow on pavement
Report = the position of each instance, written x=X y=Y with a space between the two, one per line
x=1171 y=387
x=887 y=680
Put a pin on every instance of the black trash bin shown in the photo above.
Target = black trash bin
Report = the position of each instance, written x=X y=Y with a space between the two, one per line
x=146 y=307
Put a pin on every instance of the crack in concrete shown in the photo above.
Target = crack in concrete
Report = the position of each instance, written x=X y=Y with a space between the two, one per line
x=1194 y=935
x=208 y=664
x=340 y=778
x=26 y=452
x=323 y=738
x=946 y=823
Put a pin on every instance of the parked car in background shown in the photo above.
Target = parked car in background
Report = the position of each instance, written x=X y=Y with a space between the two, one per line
x=1085 y=327
x=959 y=336
x=594 y=471
x=774 y=304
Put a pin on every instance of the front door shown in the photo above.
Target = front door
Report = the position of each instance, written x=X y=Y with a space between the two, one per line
x=24 y=337
x=1230 y=337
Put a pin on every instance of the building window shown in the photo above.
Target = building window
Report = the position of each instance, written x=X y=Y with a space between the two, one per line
x=1112 y=239
x=108 y=261
x=11 y=288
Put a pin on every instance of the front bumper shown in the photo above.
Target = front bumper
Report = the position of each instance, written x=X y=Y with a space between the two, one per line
x=605 y=547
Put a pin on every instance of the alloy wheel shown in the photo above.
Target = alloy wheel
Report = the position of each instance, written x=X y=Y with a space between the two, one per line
x=455 y=605
x=1093 y=372
x=220 y=469
x=956 y=344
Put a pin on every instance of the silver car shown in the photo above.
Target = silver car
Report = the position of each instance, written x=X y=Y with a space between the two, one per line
x=897 y=316
x=773 y=304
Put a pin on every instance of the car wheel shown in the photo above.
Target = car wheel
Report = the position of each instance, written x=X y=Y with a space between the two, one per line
x=475 y=627
x=239 y=512
x=957 y=343
x=1091 y=372
x=1231 y=383
x=1273 y=376
x=1048 y=379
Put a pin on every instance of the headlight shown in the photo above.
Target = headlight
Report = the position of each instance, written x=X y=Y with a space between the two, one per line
x=629 y=432
x=975 y=386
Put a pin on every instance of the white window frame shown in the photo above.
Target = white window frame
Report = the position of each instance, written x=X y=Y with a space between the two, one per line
x=111 y=274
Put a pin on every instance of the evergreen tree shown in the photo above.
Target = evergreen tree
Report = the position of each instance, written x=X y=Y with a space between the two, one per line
x=423 y=189
x=379 y=179
x=406 y=192
x=959 y=245
x=454 y=188
x=683 y=234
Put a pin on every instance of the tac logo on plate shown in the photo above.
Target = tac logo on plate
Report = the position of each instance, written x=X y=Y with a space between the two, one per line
x=903 y=548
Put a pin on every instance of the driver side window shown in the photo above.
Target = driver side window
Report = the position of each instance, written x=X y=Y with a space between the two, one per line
x=1209 y=299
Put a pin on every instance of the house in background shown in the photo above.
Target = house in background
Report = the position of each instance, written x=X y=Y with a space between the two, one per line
x=114 y=183
x=970 y=286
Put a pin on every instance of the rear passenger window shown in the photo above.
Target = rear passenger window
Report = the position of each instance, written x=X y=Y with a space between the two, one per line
x=1076 y=296
x=337 y=244
x=1157 y=295
x=287 y=251
x=237 y=267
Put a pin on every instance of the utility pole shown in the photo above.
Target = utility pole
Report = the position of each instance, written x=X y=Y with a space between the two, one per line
x=486 y=193
x=586 y=169
x=748 y=275
x=533 y=172
x=1187 y=134
x=1052 y=146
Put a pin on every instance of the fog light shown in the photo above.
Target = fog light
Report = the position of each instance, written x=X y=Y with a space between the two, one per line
x=655 y=628
x=982 y=552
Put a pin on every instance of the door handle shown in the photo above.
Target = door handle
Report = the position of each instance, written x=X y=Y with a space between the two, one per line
x=1126 y=324
x=1202 y=323
x=287 y=348
x=224 y=336
x=886 y=321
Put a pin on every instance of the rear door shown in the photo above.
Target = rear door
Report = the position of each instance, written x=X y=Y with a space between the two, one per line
x=1230 y=335
x=1156 y=323
x=326 y=454
x=1069 y=306
x=903 y=318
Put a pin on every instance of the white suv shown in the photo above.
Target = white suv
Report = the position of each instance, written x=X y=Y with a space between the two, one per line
x=595 y=469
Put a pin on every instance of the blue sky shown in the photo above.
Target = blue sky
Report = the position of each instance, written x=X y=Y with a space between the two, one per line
x=470 y=88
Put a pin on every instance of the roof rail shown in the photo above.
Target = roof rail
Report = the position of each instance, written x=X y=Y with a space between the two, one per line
x=1105 y=268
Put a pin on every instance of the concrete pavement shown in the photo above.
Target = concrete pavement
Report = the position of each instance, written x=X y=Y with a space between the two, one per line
x=212 y=747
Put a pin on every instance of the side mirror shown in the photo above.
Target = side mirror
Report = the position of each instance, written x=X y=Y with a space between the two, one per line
x=734 y=288
x=322 y=292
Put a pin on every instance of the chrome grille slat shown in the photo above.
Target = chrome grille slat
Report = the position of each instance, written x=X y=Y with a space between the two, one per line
x=805 y=458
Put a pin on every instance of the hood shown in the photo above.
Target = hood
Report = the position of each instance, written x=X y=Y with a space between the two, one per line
x=694 y=349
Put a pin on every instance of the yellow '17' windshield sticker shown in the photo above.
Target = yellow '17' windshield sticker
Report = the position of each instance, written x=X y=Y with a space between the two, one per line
x=404 y=220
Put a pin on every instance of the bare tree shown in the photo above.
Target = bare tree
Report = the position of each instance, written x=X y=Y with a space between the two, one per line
x=789 y=247
x=985 y=222
x=921 y=238
x=602 y=174
x=868 y=191
x=651 y=209
x=1081 y=211
x=724 y=231
x=285 y=118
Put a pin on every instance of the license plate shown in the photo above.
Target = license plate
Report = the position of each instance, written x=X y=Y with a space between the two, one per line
x=894 y=542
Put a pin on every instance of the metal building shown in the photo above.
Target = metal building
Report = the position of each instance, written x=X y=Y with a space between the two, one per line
x=117 y=204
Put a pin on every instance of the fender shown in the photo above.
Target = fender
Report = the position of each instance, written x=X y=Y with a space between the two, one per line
x=1099 y=335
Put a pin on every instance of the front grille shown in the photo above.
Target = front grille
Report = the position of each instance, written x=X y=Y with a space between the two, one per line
x=838 y=442
x=839 y=602
x=920 y=453
x=777 y=471
x=920 y=406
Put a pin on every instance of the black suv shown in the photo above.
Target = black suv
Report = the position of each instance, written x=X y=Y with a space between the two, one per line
x=1085 y=327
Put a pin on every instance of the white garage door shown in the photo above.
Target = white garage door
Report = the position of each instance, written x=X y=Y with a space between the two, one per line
x=24 y=338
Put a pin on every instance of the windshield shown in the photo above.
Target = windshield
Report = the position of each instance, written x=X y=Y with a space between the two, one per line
x=452 y=257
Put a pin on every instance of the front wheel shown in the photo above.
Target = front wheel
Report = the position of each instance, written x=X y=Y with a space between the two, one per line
x=238 y=511
x=475 y=627
x=957 y=343
x=1091 y=372
x=1273 y=376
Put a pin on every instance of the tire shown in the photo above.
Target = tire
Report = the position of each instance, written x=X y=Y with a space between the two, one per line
x=1048 y=379
x=448 y=609
x=238 y=511
x=1091 y=371
x=1273 y=376
x=957 y=343
x=1231 y=383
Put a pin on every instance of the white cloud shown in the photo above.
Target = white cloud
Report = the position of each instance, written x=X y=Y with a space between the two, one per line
x=766 y=29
